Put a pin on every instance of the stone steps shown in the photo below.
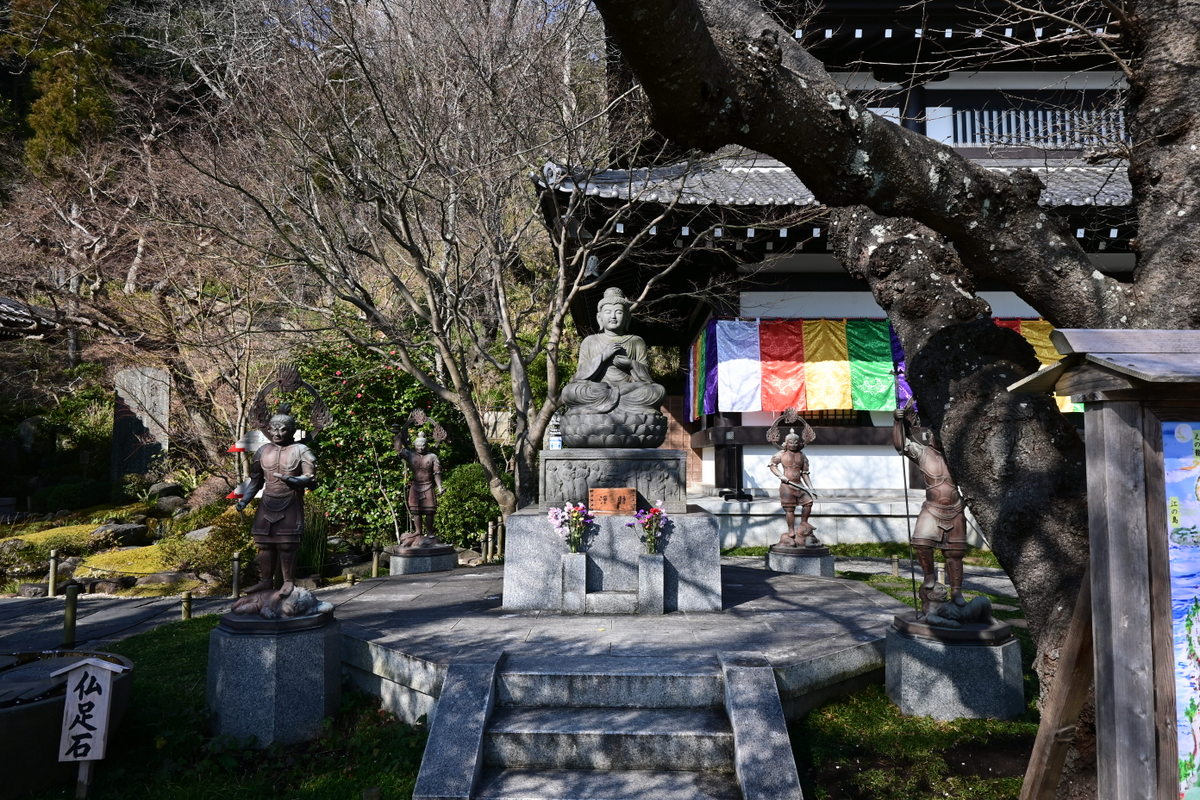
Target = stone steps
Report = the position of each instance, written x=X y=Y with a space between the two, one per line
x=609 y=738
x=556 y=784
x=610 y=682
x=609 y=728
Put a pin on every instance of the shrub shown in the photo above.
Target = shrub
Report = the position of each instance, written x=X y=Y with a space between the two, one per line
x=203 y=516
x=361 y=481
x=230 y=534
x=313 y=543
x=467 y=505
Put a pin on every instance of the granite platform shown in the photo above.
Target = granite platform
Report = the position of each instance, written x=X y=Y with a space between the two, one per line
x=822 y=636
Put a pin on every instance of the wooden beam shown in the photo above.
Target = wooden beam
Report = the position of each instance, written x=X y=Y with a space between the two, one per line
x=1072 y=680
x=1083 y=340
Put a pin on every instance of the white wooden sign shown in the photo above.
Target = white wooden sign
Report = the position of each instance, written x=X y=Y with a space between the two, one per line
x=85 y=710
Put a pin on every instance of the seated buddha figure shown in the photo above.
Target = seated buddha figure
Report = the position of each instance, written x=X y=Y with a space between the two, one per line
x=613 y=373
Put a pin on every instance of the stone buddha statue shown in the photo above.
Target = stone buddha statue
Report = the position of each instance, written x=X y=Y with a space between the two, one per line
x=611 y=400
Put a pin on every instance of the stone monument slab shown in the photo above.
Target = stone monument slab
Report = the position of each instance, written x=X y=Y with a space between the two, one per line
x=140 y=419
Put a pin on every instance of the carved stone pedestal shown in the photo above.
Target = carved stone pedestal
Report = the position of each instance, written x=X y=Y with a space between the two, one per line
x=565 y=476
x=273 y=680
x=972 y=672
x=801 y=560
x=413 y=560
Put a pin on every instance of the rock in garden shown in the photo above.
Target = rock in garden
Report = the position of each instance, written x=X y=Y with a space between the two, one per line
x=198 y=535
x=67 y=567
x=105 y=585
x=467 y=556
x=169 y=504
x=165 y=489
x=124 y=534
x=32 y=590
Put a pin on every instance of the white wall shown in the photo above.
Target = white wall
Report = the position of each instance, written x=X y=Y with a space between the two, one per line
x=832 y=467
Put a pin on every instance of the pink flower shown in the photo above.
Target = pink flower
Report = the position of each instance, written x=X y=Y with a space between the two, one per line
x=339 y=372
x=358 y=395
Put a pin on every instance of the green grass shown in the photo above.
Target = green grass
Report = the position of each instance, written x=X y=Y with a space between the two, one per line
x=163 y=750
x=976 y=556
x=861 y=748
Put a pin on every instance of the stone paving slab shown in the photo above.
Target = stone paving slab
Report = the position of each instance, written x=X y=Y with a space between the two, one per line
x=791 y=617
x=440 y=616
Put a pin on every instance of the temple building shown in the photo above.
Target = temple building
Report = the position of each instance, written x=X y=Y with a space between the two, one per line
x=762 y=314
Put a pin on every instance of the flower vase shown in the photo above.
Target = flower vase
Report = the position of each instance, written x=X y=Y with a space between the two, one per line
x=574 y=582
x=650 y=583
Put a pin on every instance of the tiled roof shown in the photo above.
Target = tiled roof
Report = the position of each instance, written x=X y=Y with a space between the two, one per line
x=757 y=180
x=18 y=319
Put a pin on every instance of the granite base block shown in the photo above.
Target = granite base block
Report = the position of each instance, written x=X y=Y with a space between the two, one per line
x=274 y=687
x=650 y=584
x=533 y=561
x=574 y=583
x=413 y=562
x=659 y=476
x=928 y=678
x=819 y=564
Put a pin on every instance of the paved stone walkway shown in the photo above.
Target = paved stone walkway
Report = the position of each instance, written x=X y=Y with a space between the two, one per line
x=439 y=616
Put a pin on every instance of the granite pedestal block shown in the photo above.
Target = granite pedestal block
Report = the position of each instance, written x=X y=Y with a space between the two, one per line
x=801 y=560
x=574 y=583
x=533 y=561
x=650 y=583
x=413 y=560
x=565 y=476
x=274 y=680
x=947 y=680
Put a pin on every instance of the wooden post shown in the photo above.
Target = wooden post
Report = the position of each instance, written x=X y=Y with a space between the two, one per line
x=375 y=552
x=69 y=614
x=237 y=575
x=185 y=606
x=1061 y=712
x=1126 y=738
x=52 y=579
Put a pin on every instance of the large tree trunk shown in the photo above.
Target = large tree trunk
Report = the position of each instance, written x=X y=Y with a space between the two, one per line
x=1017 y=460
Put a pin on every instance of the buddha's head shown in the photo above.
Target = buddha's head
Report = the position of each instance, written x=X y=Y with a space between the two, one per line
x=612 y=312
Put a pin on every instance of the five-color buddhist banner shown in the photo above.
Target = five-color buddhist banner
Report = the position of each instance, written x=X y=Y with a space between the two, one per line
x=812 y=365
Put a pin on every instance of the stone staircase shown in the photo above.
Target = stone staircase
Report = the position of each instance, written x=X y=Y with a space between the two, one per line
x=609 y=728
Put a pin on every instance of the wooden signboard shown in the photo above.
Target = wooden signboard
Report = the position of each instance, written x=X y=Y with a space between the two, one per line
x=612 y=501
x=85 y=715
